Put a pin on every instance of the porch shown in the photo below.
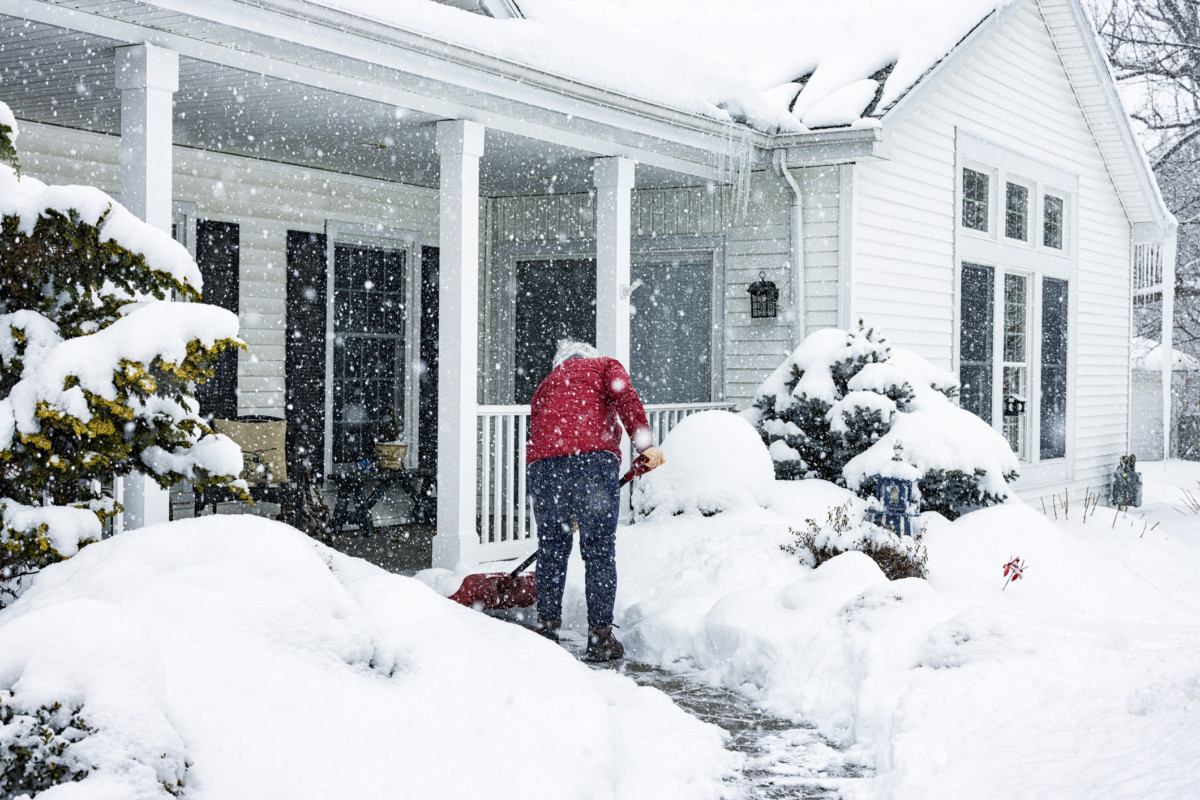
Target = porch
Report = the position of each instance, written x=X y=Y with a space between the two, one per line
x=393 y=253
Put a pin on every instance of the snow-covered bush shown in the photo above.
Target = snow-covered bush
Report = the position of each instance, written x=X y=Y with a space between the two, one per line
x=897 y=556
x=35 y=747
x=97 y=364
x=714 y=462
x=83 y=697
x=838 y=405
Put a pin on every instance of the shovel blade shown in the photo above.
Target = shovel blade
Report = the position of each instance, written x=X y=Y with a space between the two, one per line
x=492 y=590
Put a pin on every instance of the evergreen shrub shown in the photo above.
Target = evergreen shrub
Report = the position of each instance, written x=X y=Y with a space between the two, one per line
x=35 y=747
x=837 y=406
x=102 y=340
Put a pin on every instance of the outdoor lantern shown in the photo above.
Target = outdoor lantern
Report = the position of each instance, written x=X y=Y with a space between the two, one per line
x=896 y=492
x=1014 y=405
x=1127 y=484
x=764 y=297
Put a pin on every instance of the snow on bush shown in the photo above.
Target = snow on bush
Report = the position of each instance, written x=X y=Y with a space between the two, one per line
x=714 y=462
x=97 y=364
x=844 y=531
x=84 y=685
x=838 y=405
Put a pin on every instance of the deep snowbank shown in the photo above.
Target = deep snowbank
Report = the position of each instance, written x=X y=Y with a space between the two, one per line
x=1078 y=681
x=280 y=668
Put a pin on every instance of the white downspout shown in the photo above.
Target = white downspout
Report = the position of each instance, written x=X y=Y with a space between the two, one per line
x=796 y=278
x=1168 y=329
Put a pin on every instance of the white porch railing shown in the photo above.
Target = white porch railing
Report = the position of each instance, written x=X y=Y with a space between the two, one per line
x=1147 y=271
x=503 y=509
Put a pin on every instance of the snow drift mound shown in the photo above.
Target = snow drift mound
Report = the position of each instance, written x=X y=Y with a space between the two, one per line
x=290 y=670
x=715 y=462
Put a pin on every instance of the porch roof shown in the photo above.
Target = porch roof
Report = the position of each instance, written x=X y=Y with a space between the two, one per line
x=776 y=65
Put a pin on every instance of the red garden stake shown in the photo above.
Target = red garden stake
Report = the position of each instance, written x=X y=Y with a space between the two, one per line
x=1013 y=570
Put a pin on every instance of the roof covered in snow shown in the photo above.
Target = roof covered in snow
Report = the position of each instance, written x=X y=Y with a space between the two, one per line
x=778 y=65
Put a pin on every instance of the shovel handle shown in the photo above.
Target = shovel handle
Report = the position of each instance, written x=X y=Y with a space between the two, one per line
x=634 y=471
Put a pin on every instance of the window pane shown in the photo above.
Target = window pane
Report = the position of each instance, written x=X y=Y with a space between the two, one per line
x=1015 y=316
x=1016 y=363
x=1052 y=224
x=1016 y=219
x=555 y=299
x=369 y=347
x=975 y=200
x=1053 y=436
x=975 y=341
x=671 y=332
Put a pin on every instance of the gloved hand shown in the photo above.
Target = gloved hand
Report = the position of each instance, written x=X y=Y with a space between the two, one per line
x=654 y=458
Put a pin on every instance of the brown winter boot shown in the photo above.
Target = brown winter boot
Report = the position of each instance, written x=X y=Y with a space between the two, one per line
x=603 y=646
x=548 y=628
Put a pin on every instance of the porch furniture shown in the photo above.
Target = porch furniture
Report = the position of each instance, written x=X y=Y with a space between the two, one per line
x=264 y=466
x=366 y=489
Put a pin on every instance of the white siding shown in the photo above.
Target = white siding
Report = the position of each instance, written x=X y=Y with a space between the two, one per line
x=760 y=242
x=1013 y=92
x=267 y=200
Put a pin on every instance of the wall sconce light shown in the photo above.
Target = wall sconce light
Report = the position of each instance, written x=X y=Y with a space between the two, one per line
x=764 y=297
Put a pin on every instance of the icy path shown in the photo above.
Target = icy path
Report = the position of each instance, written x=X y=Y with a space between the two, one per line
x=782 y=760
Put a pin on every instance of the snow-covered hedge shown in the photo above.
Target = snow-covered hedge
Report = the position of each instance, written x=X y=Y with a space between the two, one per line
x=714 y=462
x=836 y=408
x=97 y=364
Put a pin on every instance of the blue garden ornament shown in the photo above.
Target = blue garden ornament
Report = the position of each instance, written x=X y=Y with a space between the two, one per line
x=896 y=494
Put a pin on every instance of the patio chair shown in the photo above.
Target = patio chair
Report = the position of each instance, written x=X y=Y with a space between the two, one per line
x=263 y=442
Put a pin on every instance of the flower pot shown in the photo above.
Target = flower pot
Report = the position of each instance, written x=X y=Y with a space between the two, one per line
x=390 y=455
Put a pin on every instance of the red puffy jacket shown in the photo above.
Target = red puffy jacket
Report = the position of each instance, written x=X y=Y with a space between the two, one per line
x=575 y=410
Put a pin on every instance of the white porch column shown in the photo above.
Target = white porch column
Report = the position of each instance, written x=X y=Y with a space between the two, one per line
x=147 y=76
x=614 y=186
x=459 y=144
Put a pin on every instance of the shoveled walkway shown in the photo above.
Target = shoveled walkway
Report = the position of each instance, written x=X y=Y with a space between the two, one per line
x=783 y=760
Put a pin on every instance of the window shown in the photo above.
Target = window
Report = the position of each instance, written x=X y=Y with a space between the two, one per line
x=1052 y=222
x=975 y=200
x=1016 y=214
x=975 y=350
x=1016 y=363
x=670 y=336
x=368 y=352
x=1053 y=437
x=1013 y=320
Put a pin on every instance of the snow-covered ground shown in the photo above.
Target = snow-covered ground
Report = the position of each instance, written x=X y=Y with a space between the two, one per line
x=278 y=668
x=1080 y=680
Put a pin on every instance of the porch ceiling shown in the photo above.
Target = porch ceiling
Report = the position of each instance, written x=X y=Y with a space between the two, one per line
x=57 y=76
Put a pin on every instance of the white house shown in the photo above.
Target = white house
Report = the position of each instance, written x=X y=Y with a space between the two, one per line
x=406 y=203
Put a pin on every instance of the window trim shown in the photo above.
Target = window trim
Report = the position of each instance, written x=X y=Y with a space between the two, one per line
x=502 y=288
x=959 y=204
x=1033 y=259
x=1031 y=209
x=391 y=238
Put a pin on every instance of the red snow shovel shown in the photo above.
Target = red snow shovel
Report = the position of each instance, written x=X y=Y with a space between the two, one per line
x=491 y=590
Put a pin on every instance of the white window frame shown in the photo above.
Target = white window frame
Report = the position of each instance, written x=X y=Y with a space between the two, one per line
x=1066 y=197
x=1032 y=207
x=394 y=239
x=1030 y=258
x=992 y=217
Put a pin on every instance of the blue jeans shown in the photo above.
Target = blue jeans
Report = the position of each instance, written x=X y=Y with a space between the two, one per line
x=580 y=488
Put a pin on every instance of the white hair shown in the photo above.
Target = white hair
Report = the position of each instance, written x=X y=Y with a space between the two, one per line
x=568 y=348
